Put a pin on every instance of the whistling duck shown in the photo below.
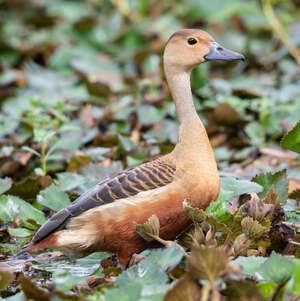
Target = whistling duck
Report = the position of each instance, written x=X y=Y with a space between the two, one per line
x=104 y=218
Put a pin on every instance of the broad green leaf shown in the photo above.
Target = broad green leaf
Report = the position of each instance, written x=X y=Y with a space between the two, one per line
x=267 y=288
x=278 y=180
x=5 y=185
x=12 y=206
x=97 y=152
x=19 y=232
x=276 y=268
x=91 y=262
x=232 y=187
x=219 y=210
x=146 y=281
x=294 y=284
x=65 y=280
x=54 y=198
x=291 y=140
x=164 y=257
x=249 y=264
x=148 y=114
x=95 y=172
x=126 y=143
x=69 y=180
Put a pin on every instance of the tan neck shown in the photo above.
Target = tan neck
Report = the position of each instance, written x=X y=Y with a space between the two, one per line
x=193 y=149
x=191 y=129
x=179 y=84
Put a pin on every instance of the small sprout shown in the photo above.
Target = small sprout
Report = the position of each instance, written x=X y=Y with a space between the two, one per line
x=210 y=236
x=252 y=228
x=150 y=229
x=195 y=237
x=240 y=246
x=255 y=208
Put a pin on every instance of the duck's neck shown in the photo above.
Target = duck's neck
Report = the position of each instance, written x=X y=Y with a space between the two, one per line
x=191 y=129
x=193 y=147
x=180 y=87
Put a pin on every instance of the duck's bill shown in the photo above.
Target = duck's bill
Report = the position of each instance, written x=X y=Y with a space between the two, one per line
x=219 y=53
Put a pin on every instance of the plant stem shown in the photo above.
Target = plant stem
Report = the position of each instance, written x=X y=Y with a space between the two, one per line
x=168 y=243
x=279 y=30
x=43 y=158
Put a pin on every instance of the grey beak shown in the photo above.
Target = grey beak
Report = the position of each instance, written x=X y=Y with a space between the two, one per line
x=219 y=53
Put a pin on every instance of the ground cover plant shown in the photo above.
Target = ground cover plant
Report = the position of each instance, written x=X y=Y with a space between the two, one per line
x=83 y=95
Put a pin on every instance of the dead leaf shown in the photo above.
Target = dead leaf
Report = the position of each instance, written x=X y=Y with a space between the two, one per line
x=32 y=291
x=255 y=208
x=185 y=289
x=226 y=114
x=6 y=275
x=207 y=263
x=150 y=229
x=242 y=290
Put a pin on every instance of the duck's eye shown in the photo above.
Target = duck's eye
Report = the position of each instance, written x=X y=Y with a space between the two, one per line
x=192 y=41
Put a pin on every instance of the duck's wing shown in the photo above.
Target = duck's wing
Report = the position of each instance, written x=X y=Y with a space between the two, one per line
x=130 y=182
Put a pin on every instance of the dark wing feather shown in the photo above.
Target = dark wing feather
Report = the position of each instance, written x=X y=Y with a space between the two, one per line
x=130 y=182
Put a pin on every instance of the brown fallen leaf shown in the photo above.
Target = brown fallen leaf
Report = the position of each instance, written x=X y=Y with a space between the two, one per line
x=32 y=291
x=6 y=275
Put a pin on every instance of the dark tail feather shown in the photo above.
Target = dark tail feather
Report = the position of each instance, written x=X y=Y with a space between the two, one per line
x=25 y=251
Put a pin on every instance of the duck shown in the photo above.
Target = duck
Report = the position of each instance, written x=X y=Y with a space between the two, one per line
x=103 y=219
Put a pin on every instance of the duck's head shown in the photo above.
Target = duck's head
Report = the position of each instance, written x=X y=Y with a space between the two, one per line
x=188 y=48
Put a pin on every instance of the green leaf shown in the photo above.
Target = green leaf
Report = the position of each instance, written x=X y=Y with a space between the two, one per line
x=54 y=198
x=5 y=185
x=249 y=264
x=31 y=150
x=219 y=210
x=267 y=288
x=291 y=140
x=164 y=257
x=146 y=281
x=64 y=280
x=148 y=114
x=69 y=180
x=12 y=206
x=232 y=187
x=126 y=143
x=95 y=172
x=19 y=232
x=278 y=180
x=91 y=262
x=276 y=268
x=294 y=284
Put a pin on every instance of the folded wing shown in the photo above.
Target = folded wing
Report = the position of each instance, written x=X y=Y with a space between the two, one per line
x=130 y=182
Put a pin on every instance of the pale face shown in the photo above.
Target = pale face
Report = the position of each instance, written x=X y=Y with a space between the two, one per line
x=187 y=48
